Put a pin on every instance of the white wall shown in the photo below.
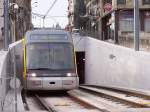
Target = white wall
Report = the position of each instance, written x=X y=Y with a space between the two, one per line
x=112 y=65
x=7 y=67
x=3 y=72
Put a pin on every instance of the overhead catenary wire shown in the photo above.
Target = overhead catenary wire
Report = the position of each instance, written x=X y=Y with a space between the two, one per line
x=48 y=11
x=50 y=8
x=40 y=15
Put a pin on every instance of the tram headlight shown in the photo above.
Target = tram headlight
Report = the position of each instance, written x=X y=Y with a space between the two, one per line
x=71 y=74
x=32 y=75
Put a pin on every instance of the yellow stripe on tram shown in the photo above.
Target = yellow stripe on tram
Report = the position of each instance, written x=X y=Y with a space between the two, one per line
x=24 y=48
x=75 y=59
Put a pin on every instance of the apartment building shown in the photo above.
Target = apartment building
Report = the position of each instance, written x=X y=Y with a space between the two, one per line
x=76 y=10
x=118 y=22
x=92 y=17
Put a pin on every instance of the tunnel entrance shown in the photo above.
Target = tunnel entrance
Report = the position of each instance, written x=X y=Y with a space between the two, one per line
x=80 y=58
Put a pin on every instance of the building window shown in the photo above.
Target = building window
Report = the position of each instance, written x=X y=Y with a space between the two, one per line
x=147 y=25
x=126 y=25
x=121 y=2
x=107 y=1
x=126 y=21
x=146 y=2
x=146 y=20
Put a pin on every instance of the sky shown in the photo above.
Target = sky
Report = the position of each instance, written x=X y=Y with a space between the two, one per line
x=59 y=9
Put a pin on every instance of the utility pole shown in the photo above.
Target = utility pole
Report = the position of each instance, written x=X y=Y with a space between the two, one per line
x=6 y=20
x=136 y=25
x=43 y=21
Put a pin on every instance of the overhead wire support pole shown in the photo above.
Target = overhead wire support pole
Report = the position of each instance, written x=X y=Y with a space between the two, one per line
x=136 y=25
x=6 y=20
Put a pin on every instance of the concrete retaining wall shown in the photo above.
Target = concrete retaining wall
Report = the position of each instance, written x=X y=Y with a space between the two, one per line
x=3 y=67
x=7 y=73
x=112 y=65
x=17 y=48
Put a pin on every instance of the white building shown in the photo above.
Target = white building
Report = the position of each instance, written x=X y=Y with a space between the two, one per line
x=1 y=18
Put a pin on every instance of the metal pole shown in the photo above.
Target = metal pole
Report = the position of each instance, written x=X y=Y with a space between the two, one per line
x=136 y=25
x=6 y=19
x=43 y=22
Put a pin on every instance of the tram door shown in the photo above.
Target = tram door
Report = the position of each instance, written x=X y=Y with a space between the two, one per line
x=80 y=58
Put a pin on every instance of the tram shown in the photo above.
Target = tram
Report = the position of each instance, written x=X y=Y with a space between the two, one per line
x=49 y=60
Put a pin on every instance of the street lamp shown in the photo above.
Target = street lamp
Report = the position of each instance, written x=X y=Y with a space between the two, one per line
x=35 y=4
x=15 y=6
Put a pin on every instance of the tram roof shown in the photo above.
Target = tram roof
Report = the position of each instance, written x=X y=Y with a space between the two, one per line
x=48 y=35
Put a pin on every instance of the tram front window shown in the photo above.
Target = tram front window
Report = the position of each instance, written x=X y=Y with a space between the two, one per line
x=50 y=56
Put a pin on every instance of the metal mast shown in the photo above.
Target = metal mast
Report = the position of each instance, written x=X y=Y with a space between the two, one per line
x=136 y=25
x=6 y=20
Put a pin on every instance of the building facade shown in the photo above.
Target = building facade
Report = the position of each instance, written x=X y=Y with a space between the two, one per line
x=118 y=22
x=76 y=10
x=113 y=21
x=93 y=17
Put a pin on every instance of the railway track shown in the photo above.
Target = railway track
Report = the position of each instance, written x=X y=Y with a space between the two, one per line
x=48 y=107
x=112 y=100
x=92 y=99
x=58 y=103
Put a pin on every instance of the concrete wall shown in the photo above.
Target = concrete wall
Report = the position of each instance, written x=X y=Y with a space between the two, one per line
x=7 y=72
x=112 y=65
x=3 y=63
x=17 y=49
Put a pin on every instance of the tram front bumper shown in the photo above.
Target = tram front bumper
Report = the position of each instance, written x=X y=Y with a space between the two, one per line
x=52 y=83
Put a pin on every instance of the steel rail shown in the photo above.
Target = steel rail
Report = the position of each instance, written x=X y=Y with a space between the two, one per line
x=114 y=97
x=123 y=90
x=48 y=107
